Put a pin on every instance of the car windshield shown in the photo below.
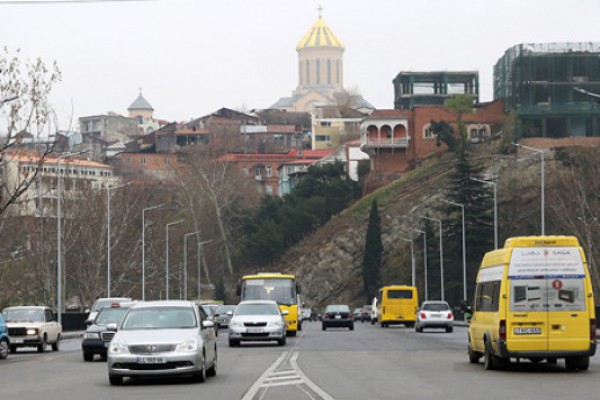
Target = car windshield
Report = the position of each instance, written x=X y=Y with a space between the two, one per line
x=24 y=315
x=159 y=318
x=224 y=309
x=336 y=308
x=257 y=309
x=357 y=311
x=283 y=291
x=110 y=315
x=435 y=307
x=101 y=303
x=209 y=309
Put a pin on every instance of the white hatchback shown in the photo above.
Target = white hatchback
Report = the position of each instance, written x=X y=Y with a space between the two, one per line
x=434 y=314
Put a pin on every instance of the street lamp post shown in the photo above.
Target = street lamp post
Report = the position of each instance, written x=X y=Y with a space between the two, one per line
x=144 y=247
x=542 y=185
x=464 y=248
x=59 y=288
x=424 y=257
x=185 y=267
x=412 y=259
x=200 y=254
x=108 y=189
x=167 y=256
x=439 y=221
x=495 y=208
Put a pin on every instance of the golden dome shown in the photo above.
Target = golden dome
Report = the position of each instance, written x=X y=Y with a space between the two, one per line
x=319 y=35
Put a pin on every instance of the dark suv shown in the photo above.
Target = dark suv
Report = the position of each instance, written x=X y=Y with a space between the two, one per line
x=4 y=340
x=97 y=336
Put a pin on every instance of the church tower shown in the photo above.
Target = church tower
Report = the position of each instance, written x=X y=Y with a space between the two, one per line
x=140 y=108
x=320 y=61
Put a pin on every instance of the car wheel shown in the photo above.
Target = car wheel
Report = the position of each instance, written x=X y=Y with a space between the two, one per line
x=473 y=355
x=42 y=346
x=56 y=345
x=449 y=329
x=115 y=380
x=351 y=327
x=490 y=361
x=571 y=363
x=291 y=333
x=3 y=349
x=103 y=357
x=234 y=342
x=212 y=371
x=200 y=376
x=583 y=363
x=282 y=342
x=323 y=327
x=87 y=356
x=13 y=349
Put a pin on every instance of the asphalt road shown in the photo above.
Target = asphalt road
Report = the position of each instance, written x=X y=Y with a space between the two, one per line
x=367 y=363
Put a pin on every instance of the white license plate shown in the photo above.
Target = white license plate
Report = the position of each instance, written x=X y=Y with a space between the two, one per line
x=16 y=340
x=527 y=331
x=151 y=360
x=435 y=315
x=338 y=317
x=255 y=330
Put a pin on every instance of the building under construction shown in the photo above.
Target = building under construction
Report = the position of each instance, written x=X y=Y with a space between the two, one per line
x=413 y=89
x=553 y=87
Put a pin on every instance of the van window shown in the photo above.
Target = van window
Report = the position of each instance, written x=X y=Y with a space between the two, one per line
x=547 y=295
x=400 y=294
x=487 y=296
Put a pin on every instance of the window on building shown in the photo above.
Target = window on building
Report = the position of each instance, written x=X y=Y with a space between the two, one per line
x=307 y=72
x=168 y=161
x=269 y=190
x=323 y=138
x=329 y=71
x=318 y=71
x=427 y=132
x=143 y=160
x=257 y=172
x=337 y=71
x=325 y=123
x=269 y=171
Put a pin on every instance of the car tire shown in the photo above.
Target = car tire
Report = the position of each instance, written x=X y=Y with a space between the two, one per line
x=42 y=346
x=571 y=363
x=473 y=355
x=103 y=357
x=200 y=376
x=13 y=349
x=115 y=380
x=56 y=345
x=282 y=342
x=449 y=329
x=212 y=371
x=583 y=363
x=234 y=342
x=351 y=327
x=291 y=333
x=3 y=349
x=323 y=327
x=490 y=361
x=87 y=356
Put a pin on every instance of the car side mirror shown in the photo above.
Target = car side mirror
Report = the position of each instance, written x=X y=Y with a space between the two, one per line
x=111 y=327
x=285 y=312
x=208 y=324
x=88 y=322
x=229 y=312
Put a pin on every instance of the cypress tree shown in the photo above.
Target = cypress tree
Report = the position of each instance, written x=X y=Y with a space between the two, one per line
x=373 y=254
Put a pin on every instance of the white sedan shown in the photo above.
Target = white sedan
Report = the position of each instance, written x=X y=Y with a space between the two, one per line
x=434 y=314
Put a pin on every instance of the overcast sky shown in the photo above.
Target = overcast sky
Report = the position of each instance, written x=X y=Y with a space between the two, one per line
x=192 y=57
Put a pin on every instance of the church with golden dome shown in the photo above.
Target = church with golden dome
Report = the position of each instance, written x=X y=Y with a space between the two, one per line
x=320 y=71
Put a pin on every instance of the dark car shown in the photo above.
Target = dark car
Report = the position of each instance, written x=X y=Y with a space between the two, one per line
x=97 y=336
x=357 y=313
x=223 y=315
x=4 y=340
x=338 y=316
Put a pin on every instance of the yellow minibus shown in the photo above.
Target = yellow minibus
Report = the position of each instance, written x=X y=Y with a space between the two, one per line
x=534 y=300
x=397 y=304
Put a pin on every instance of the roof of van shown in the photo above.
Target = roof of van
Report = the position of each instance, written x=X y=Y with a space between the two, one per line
x=545 y=241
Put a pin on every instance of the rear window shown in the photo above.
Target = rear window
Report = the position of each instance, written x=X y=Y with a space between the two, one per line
x=400 y=294
x=436 y=307
x=336 y=308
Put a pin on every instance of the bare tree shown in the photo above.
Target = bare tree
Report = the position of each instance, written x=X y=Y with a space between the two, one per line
x=24 y=112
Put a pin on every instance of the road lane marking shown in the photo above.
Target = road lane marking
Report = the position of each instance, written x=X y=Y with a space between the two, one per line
x=323 y=394
x=257 y=385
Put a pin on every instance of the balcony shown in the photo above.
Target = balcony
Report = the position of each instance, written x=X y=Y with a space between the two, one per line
x=388 y=143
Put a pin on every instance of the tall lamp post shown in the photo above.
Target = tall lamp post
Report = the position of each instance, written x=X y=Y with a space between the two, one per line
x=108 y=189
x=439 y=221
x=424 y=257
x=185 y=272
x=412 y=259
x=59 y=288
x=144 y=247
x=167 y=256
x=541 y=152
x=200 y=254
x=464 y=248
x=495 y=208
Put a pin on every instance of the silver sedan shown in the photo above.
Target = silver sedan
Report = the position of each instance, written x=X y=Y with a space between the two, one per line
x=257 y=320
x=163 y=338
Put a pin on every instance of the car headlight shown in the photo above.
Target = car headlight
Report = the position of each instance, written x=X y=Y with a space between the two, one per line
x=275 y=323
x=91 y=335
x=235 y=324
x=189 y=345
x=117 y=348
x=32 y=331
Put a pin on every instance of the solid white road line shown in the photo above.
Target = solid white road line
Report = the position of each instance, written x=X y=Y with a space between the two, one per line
x=324 y=395
x=259 y=382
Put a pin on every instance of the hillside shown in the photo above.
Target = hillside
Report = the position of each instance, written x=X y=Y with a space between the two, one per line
x=328 y=262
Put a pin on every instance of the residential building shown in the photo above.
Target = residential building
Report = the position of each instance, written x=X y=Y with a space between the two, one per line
x=39 y=199
x=147 y=168
x=333 y=126
x=431 y=88
x=552 y=87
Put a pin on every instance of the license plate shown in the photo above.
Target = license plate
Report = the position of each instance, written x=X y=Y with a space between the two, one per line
x=338 y=317
x=151 y=360
x=527 y=331
x=16 y=340
x=255 y=330
x=435 y=315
